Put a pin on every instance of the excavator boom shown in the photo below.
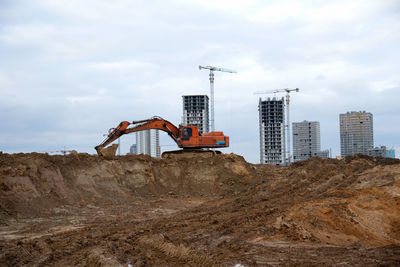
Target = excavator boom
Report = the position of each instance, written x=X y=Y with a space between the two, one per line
x=152 y=123
x=186 y=137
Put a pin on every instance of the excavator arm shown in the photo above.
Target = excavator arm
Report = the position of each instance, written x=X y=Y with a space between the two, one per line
x=152 y=123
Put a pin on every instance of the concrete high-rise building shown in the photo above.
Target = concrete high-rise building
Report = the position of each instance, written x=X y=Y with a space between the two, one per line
x=132 y=149
x=356 y=133
x=148 y=142
x=195 y=111
x=272 y=131
x=306 y=140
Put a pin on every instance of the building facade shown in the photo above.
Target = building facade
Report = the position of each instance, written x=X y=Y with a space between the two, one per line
x=196 y=111
x=390 y=153
x=148 y=143
x=272 y=131
x=356 y=133
x=306 y=140
x=324 y=154
x=132 y=149
x=377 y=152
x=381 y=152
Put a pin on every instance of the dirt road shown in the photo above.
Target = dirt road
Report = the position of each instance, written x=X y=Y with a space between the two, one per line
x=80 y=210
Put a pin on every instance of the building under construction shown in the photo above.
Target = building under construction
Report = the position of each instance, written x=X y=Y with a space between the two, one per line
x=356 y=133
x=195 y=111
x=272 y=131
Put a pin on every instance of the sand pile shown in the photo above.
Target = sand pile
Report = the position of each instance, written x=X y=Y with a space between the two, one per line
x=30 y=183
x=197 y=210
x=352 y=202
x=360 y=203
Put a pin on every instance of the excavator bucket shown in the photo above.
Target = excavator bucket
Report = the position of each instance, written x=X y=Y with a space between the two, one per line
x=108 y=152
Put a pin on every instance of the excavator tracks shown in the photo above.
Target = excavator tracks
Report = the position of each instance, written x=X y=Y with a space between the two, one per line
x=188 y=153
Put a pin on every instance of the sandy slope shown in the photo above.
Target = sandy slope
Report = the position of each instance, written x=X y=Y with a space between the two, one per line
x=197 y=210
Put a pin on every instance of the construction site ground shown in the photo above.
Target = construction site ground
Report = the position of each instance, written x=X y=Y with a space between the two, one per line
x=197 y=210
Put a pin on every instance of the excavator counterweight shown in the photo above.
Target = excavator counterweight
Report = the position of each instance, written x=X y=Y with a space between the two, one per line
x=186 y=137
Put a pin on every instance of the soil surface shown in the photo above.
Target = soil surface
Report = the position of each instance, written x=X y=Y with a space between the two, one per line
x=197 y=210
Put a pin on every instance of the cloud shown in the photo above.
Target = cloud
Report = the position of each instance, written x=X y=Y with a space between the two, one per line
x=5 y=81
x=87 y=98
x=70 y=70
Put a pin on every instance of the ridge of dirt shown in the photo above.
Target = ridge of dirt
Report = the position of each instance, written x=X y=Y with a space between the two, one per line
x=34 y=183
x=197 y=210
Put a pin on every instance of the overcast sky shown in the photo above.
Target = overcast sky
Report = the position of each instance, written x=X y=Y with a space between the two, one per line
x=72 y=69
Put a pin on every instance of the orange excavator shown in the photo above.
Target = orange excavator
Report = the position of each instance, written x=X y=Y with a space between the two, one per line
x=186 y=137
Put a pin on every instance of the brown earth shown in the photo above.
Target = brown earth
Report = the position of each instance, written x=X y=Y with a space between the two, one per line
x=198 y=210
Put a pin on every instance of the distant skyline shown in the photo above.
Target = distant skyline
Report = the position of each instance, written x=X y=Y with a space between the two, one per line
x=70 y=70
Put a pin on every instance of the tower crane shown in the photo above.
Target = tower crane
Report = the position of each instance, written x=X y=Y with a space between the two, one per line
x=212 y=69
x=287 y=91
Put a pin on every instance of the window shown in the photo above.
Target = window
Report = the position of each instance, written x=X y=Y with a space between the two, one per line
x=186 y=133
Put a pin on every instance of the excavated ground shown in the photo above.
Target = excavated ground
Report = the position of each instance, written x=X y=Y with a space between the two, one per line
x=197 y=210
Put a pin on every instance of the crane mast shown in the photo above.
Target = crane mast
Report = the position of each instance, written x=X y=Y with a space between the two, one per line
x=212 y=69
x=287 y=91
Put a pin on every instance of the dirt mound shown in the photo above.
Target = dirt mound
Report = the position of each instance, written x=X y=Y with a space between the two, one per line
x=197 y=210
x=360 y=205
x=376 y=160
x=350 y=202
x=33 y=182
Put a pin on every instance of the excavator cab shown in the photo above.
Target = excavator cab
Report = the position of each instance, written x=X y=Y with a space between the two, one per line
x=187 y=133
x=191 y=138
